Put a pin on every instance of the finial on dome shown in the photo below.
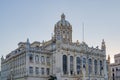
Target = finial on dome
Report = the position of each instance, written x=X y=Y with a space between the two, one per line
x=63 y=16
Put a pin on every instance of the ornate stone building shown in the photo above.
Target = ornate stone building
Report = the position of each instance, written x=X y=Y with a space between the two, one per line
x=58 y=57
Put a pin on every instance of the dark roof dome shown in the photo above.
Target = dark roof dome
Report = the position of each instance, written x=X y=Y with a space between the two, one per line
x=63 y=22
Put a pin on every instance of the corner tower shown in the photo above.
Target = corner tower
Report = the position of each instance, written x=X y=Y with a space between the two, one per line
x=63 y=30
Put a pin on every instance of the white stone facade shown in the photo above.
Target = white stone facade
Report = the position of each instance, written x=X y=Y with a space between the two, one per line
x=59 y=57
x=115 y=68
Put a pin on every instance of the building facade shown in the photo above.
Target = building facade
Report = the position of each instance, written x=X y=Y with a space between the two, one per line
x=115 y=68
x=58 y=57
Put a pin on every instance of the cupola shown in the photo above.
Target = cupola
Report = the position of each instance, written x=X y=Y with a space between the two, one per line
x=63 y=30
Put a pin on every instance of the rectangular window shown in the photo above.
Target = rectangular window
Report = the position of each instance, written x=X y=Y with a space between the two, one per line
x=31 y=70
x=48 y=71
x=42 y=71
x=37 y=70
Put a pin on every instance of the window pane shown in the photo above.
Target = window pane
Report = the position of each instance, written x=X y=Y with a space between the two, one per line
x=48 y=71
x=31 y=70
x=37 y=70
x=42 y=70
x=71 y=65
x=64 y=64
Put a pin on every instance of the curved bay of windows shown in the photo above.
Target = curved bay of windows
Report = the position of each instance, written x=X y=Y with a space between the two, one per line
x=64 y=59
x=71 y=65
x=78 y=63
x=95 y=66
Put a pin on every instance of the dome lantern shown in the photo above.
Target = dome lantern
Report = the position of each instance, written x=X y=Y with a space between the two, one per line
x=63 y=16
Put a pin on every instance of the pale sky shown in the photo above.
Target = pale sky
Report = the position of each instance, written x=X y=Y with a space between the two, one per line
x=35 y=19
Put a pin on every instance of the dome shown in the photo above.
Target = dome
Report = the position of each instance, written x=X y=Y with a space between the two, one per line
x=63 y=30
x=63 y=22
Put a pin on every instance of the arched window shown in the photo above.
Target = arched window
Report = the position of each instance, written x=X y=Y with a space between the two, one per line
x=101 y=67
x=64 y=64
x=78 y=61
x=71 y=65
x=84 y=63
x=90 y=66
x=37 y=58
x=95 y=66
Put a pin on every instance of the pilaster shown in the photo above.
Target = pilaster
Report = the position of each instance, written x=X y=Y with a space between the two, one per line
x=105 y=70
x=75 y=69
x=68 y=65
x=98 y=67
x=93 y=66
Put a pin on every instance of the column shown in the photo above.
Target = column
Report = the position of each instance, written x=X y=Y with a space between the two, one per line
x=68 y=65
x=34 y=62
x=93 y=66
x=27 y=63
x=81 y=58
x=105 y=70
x=74 y=65
x=87 y=66
x=98 y=67
x=61 y=58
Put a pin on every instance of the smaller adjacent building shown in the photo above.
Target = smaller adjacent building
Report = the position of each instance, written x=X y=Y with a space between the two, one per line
x=115 y=68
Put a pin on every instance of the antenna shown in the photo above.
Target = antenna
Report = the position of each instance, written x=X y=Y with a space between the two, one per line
x=83 y=31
